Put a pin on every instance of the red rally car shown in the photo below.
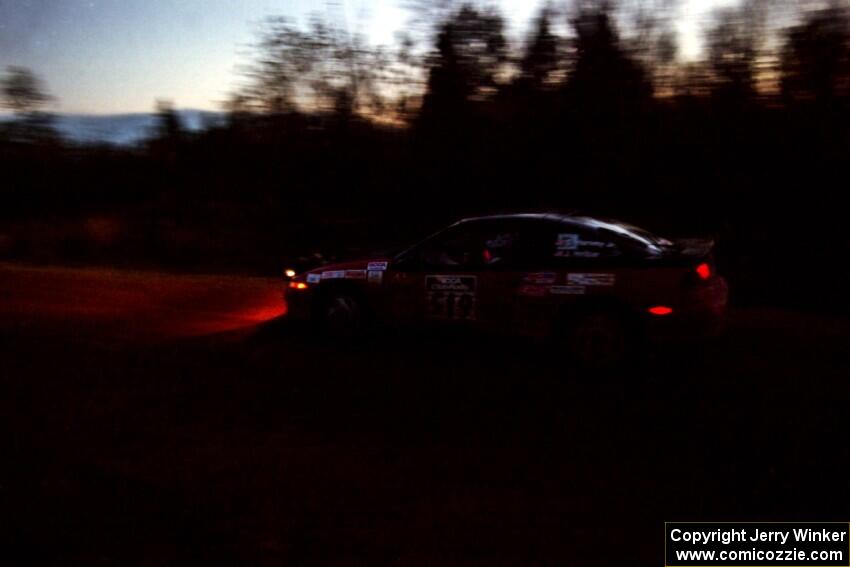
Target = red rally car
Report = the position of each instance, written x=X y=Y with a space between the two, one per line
x=597 y=286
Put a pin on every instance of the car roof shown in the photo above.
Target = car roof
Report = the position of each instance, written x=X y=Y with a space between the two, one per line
x=575 y=219
x=563 y=217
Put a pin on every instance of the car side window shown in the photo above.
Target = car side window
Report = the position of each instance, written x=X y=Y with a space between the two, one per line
x=585 y=244
x=452 y=248
x=500 y=246
x=483 y=245
x=553 y=244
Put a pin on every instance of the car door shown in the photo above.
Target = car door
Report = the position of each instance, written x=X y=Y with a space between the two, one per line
x=562 y=263
x=501 y=271
x=440 y=280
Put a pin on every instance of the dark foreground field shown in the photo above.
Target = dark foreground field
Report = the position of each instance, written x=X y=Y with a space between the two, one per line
x=150 y=419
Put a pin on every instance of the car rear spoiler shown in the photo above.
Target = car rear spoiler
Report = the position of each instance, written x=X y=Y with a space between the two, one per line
x=693 y=247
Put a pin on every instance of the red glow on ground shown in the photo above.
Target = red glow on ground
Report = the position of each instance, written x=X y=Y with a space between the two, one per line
x=266 y=313
x=138 y=306
x=242 y=310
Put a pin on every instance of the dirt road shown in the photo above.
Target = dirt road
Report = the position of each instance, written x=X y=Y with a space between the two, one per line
x=158 y=419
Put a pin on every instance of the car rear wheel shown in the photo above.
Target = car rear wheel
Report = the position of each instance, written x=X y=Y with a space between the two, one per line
x=598 y=340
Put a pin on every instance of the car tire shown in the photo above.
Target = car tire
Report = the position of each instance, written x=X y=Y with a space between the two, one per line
x=598 y=340
x=341 y=314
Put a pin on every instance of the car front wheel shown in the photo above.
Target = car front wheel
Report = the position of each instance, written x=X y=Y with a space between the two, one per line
x=341 y=314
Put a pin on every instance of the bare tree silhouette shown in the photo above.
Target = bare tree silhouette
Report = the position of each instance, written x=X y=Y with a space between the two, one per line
x=323 y=69
x=24 y=93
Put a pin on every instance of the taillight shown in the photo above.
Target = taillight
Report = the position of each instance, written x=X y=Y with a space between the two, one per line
x=298 y=285
x=660 y=310
x=704 y=271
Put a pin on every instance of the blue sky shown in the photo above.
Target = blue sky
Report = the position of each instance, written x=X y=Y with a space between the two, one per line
x=109 y=56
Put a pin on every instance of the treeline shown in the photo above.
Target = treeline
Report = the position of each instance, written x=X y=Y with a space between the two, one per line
x=332 y=142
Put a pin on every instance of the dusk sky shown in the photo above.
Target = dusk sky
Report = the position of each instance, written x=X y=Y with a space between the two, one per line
x=109 y=56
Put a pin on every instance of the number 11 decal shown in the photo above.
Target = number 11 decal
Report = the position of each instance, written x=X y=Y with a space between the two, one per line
x=451 y=297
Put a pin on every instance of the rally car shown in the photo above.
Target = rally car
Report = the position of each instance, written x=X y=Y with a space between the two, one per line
x=597 y=286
